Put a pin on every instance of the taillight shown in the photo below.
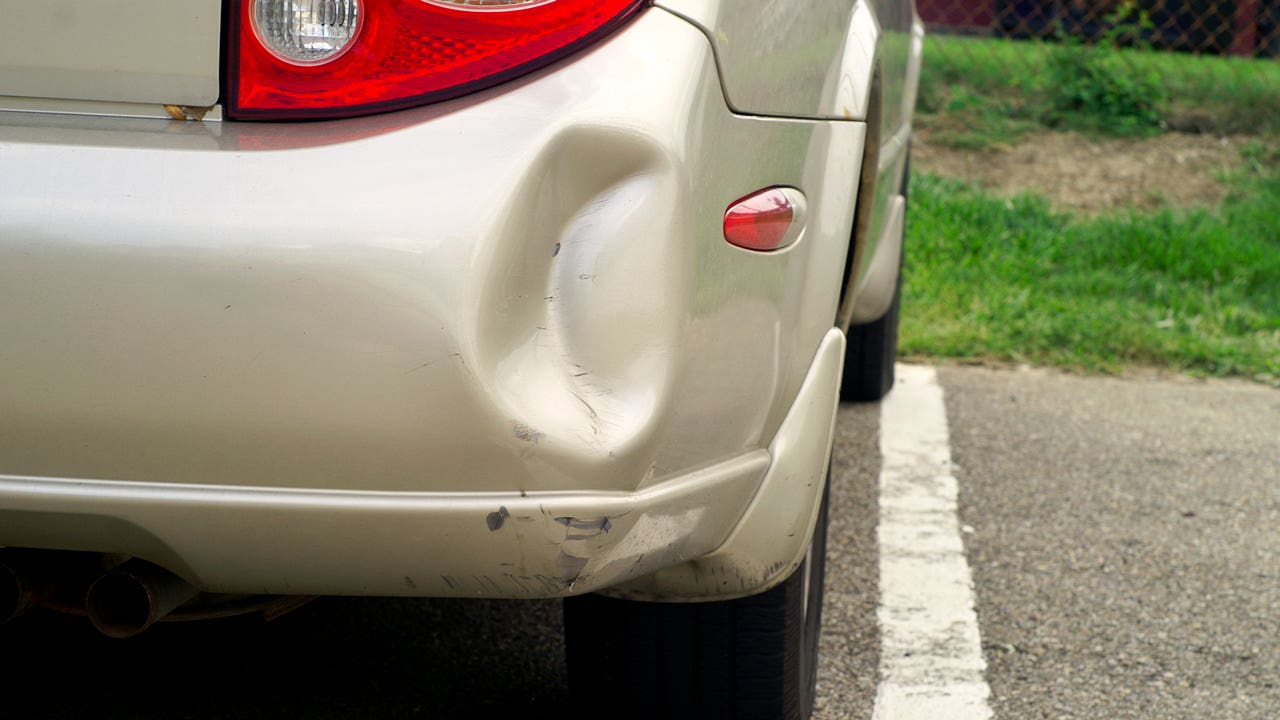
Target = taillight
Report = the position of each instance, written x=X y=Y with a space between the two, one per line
x=295 y=59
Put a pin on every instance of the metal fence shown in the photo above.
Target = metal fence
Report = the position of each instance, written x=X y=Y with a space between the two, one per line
x=1249 y=28
x=1124 y=63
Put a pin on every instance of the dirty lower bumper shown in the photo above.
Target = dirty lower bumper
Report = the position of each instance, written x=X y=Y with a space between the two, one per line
x=279 y=541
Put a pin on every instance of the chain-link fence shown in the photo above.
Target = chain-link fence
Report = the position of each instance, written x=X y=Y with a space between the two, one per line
x=1249 y=28
x=1119 y=66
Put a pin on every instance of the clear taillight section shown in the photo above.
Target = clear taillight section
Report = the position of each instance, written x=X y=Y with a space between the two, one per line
x=305 y=32
x=295 y=59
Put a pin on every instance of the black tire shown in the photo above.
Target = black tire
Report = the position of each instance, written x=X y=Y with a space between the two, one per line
x=872 y=348
x=755 y=657
x=870 y=354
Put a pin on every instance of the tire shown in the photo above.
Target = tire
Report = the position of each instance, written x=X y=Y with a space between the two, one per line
x=754 y=657
x=873 y=348
x=870 y=354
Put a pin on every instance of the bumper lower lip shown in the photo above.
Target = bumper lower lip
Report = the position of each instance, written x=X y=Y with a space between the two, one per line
x=277 y=541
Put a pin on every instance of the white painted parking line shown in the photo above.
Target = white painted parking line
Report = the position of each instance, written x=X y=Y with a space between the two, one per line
x=931 y=665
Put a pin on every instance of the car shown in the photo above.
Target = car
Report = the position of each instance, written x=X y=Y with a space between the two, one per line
x=451 y=298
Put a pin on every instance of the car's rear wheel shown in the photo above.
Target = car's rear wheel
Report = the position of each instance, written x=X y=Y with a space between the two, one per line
x=869 y=357
x=755 y=657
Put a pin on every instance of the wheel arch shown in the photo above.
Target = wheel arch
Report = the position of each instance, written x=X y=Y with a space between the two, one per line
x=869 y=175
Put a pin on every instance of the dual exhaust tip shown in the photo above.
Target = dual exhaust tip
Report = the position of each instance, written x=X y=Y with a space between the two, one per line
x=120 y=602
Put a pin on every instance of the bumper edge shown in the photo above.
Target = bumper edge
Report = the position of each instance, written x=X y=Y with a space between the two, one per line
x=774 y=534
x=300 y=542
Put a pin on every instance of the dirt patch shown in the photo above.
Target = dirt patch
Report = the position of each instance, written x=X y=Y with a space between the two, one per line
x=1094 y=175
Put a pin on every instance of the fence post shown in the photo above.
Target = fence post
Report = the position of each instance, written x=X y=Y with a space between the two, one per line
x=1244 y=40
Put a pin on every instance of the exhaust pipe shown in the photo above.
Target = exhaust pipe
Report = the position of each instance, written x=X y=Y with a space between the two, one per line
x=24 y=584
x=132 y=597
x=18 y=593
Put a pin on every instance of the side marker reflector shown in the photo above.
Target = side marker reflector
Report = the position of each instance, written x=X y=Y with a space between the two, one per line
x=766 y=220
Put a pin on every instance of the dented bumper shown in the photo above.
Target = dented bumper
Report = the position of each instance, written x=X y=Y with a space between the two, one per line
x=735 y=527
x=474 y=349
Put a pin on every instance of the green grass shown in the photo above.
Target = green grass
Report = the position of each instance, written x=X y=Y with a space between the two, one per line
x=976 y=92
x=1011 y=280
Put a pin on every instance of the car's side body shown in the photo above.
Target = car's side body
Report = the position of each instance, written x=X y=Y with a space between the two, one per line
x=495 y=346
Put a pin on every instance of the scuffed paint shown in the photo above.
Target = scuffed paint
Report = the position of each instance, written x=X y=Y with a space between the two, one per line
x=583 y=540
x=524 y=432
x=505 y=585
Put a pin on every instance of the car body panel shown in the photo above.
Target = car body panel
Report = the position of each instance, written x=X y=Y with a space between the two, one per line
x=557 y=312
x=821 y=59
x=790 y=58
x=496 y=346
x=121 y=51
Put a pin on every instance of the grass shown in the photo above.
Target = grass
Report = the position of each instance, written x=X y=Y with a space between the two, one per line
x=978 y=92
x=1011 y=280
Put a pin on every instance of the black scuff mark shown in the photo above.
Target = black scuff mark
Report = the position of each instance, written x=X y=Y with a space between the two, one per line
x=595 y=419
x=423 y=365
x=409 y=583
x=518 y=581
x=495 y=520
x=462 y=362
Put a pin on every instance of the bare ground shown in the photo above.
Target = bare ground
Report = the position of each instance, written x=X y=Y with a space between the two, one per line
x=1094 y=175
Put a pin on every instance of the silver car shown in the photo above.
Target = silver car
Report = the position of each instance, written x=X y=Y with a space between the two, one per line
x=466 y=298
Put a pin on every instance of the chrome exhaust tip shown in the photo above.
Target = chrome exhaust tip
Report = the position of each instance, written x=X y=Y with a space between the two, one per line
x=133 y=597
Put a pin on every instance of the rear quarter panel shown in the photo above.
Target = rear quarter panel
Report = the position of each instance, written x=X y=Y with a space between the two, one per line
x=135 y=51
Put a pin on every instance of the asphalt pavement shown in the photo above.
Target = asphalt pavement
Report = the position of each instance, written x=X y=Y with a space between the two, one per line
x=1122 y=536
x=1125 y=542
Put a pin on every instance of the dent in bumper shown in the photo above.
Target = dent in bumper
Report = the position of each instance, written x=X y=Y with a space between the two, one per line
x=772 y=537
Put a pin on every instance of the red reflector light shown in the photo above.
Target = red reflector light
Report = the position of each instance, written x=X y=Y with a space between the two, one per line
x=408 y=53
x=764 y=220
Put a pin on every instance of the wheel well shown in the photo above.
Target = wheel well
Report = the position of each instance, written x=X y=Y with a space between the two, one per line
x=865 y=201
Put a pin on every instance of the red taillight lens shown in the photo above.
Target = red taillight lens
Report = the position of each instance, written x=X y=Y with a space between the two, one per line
x=403 y=53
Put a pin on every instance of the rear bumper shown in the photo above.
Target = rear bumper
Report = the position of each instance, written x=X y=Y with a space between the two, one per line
x=309 y=542
x=349 y=342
